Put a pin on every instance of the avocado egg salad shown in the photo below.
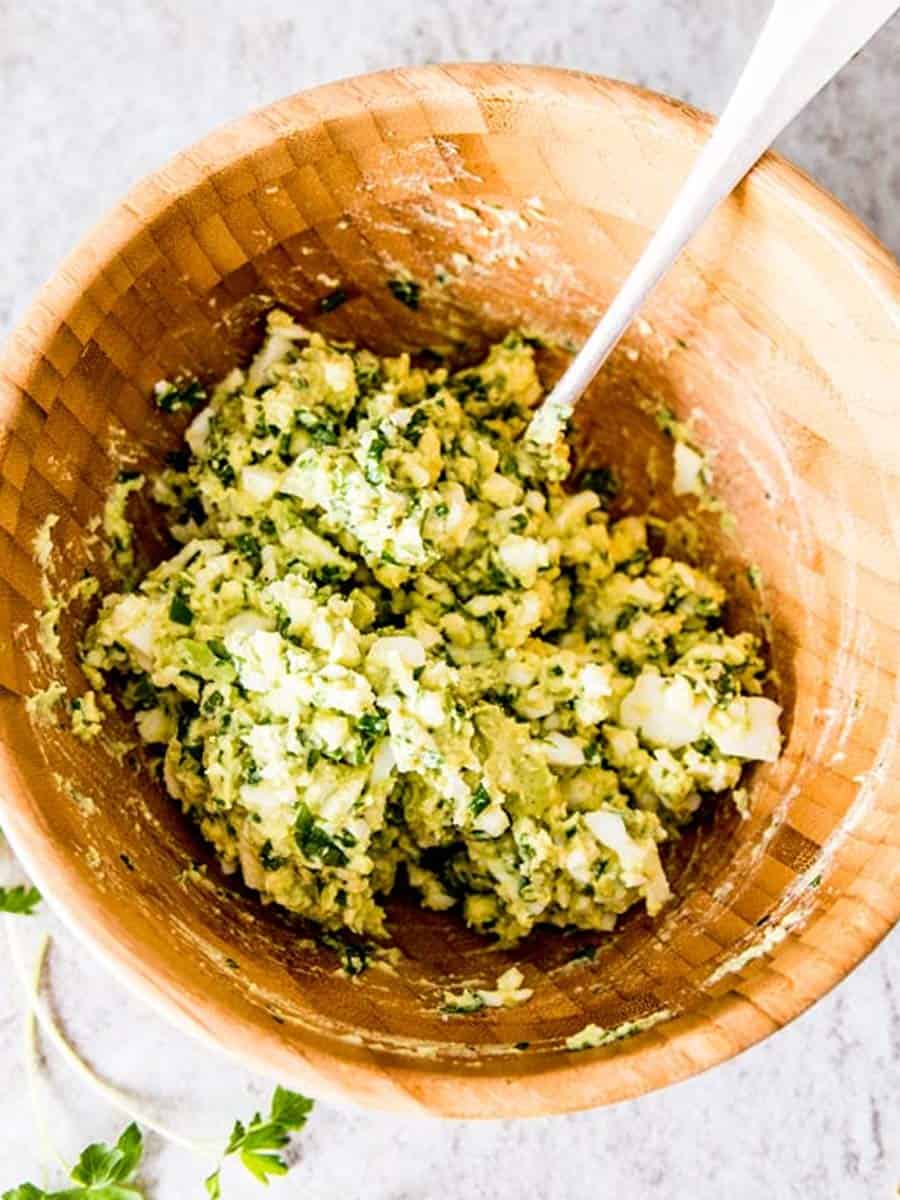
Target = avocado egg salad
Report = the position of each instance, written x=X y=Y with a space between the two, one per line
x=393 y=645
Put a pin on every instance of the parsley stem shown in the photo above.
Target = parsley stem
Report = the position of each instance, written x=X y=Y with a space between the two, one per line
x=49 y=1149
x=42 y=1013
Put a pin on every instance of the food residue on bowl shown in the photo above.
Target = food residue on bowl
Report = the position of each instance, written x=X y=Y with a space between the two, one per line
x=507 y=994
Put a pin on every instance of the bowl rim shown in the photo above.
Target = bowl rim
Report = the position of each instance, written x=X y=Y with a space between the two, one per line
x=674 y=1051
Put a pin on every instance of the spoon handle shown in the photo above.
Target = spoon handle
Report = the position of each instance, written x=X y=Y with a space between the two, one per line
x=802 y=45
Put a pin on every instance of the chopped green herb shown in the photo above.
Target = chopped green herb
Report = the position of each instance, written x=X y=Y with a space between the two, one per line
x=371 y=727
x=175 y=397
x=666 y=420
x=324 y=433
x=407 y=291
x=584 y=953
x=141 y=694
x=329 y=574
x=268 y=859
x=602 y=480
x=353 y=955
x=249 y=547
x=313 y=840
x=333 y=300
x=626 y=615
x=415 y=427
x=180 y=611
x=223 y=470
x=481 y=798
x=375 y=452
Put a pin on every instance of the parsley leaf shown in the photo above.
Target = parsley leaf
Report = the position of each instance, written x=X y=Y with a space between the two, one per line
x=100 y=1165
x=101 y=1173
x=213 y=1185
x=259 y=1142
x=290 y=1108
x=19 y=900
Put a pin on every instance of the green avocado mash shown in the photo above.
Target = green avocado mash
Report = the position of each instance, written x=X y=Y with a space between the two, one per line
x=392 y=643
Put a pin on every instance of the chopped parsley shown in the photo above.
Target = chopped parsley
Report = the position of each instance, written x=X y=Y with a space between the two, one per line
x=354 y=956
x=333 y=300
x=407 y=291
x=249 y=547
x=180 y=611
x=268 y=859
x=314 y=841
x=371 y=727
x=176 y=397
x=415 y=426
x=601 y=480
x=480 y=800
x=583 y=954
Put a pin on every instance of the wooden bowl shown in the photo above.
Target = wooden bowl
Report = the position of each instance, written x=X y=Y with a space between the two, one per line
x=516 y=197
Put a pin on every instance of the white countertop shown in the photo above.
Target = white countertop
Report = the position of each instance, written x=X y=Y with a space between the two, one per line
x=93 y=95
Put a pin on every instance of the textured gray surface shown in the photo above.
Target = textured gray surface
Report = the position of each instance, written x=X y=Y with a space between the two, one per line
x=92 y=95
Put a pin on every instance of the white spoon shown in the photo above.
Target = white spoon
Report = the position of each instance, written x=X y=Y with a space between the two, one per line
x=802 y=45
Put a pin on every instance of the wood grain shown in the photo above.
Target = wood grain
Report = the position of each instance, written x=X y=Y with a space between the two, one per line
x=517 y=197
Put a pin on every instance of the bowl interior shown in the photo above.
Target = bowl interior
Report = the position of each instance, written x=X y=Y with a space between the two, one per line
x=516 y=199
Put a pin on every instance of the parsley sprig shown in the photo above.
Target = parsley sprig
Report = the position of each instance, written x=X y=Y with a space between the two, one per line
x=101 y=1173
x=108 y=1172
x=258 y=1143
x=19 y=900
